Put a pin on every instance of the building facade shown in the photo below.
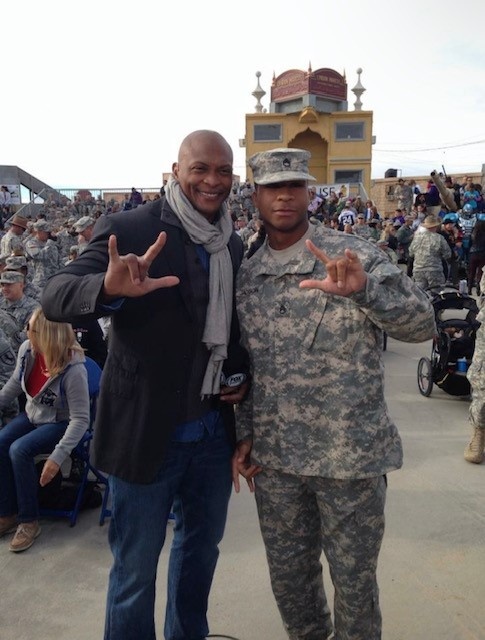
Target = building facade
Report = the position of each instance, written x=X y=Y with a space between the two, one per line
x=309 y=110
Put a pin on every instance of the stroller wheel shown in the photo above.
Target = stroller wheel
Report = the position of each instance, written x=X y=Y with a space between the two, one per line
x=425 y=377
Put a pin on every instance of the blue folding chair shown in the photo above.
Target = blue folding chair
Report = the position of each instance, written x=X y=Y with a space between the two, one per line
x=81 y=454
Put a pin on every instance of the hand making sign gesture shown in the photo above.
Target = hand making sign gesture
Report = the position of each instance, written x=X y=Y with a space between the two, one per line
x=345 y=274
x=126 y=276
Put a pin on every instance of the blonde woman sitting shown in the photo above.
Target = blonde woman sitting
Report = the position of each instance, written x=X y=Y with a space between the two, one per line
x=50 y=371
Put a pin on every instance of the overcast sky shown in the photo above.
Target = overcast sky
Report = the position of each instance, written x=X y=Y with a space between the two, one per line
x=101 y=93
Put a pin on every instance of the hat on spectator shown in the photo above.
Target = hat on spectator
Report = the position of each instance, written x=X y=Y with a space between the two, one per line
x=361 y=216
x=397 y=223
x=431 y=221
x=10 y=277
x=16 y=262
x=83 y=223
x=41 y=225
x=280 y=165
x=19 y=221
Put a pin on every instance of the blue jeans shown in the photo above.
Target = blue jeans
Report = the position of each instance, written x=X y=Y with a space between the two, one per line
x=20 y=442
x=196 y=479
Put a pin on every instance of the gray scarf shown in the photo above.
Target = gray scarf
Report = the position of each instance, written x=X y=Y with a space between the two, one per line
x=214 y=238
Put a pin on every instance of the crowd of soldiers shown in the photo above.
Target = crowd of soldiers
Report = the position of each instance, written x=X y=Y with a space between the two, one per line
x=31 y=251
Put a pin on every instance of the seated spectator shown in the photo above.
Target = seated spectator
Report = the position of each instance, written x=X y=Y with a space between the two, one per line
x=361 y=228
x=19 y=263
x=398 y=217
x=50 y=371
x=316 y=202
x=347 y=215
x=19 y=306
x=374 y=230
x=389 y=235
x=390 y=253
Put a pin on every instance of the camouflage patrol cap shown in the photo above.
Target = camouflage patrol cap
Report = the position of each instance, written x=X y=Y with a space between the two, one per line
x=83 y=223
x=10 y=277
x=41 y=225
x=16 y=262
x=280 y=165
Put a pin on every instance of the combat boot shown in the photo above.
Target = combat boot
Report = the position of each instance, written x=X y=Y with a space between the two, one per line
x=474 y=451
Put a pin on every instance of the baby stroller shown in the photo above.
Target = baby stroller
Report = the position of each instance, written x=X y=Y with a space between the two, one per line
x=453 y=344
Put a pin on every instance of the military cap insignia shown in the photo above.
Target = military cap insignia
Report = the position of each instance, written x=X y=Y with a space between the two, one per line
x=286 y=163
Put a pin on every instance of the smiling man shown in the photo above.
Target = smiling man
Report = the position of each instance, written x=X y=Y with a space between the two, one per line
x=315 y=438
x=164 y=425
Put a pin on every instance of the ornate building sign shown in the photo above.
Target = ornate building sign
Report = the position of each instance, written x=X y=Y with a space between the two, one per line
x=325 y=83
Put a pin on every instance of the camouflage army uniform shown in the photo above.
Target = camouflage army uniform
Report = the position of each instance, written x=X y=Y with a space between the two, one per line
x=476 y=376
x=404 y=196
x=9 y=243
x=9 y=327
x=320 y=428
x=20 y=310
x=362 y=230
x=7 y=366
x=65 y=240
x=45 y=260
x=429 y=249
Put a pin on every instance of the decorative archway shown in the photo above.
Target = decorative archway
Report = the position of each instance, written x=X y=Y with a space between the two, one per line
x=318 y=147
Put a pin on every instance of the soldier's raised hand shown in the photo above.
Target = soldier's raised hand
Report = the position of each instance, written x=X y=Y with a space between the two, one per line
x=345 y=274
x=126 y=276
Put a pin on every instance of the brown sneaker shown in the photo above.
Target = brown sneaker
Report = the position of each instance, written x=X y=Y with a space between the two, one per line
x=7 y=524
x=25 y=535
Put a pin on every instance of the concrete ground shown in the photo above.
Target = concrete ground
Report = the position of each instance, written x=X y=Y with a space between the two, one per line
x=432 y=562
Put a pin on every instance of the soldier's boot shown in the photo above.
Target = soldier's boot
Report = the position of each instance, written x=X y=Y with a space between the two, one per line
x=474 y=451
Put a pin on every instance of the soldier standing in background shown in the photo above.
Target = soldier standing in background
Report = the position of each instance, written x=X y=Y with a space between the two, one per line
x=476 y=376
x=314 y=435
x=404 y=195
x=428 y=250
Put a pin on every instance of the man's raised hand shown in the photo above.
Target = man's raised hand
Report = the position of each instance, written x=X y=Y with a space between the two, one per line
x=126 y=276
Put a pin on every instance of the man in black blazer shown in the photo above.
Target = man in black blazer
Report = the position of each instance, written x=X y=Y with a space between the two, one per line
x=165 y=424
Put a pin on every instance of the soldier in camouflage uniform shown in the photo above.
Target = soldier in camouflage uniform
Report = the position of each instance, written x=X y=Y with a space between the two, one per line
x=19 y=263
x=84 y=227
x=7 y=366
x=43 y=253
x=12 y=240
x=11 y=331
x=15 y=302
x=428 y=249
x=314 y=435
x=474 y=451
x=65 y=239
x=361 y=228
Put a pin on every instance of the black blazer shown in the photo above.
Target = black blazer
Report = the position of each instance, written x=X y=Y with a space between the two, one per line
x=151 y=344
